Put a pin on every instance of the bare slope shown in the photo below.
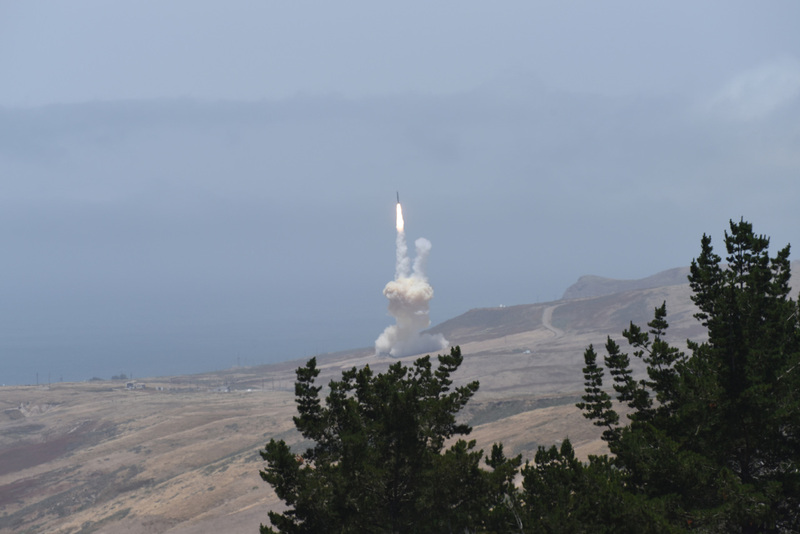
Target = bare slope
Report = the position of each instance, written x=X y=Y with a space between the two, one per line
x=181 y=455
x=596 y=286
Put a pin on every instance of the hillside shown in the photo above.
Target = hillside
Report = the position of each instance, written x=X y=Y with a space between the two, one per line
x=598 y=286
x=180 y=454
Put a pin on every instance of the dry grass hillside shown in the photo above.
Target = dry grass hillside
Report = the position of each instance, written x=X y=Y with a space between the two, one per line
x=180 y=454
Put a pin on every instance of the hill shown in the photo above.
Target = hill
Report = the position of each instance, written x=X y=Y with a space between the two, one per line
x=180 y=454
x=597 y=286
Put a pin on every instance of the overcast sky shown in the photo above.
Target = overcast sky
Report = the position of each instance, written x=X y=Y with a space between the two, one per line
x=189 y=185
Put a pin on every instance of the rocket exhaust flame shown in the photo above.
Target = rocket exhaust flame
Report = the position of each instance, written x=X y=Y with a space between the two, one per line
x=409 y=295
x=400 y=222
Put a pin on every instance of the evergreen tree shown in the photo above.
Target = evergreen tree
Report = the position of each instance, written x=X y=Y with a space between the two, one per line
x=596 y=402
x=505 y=512
x=378 y=463
x=713 y=439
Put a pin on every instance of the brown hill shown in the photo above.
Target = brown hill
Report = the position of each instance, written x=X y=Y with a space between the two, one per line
x=597 y=286
x=180 y=454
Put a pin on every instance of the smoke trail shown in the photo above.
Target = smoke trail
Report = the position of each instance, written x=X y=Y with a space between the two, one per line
x=401 y=269
x=409 y=295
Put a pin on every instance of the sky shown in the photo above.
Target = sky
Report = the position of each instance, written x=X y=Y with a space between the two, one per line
x=194 y=185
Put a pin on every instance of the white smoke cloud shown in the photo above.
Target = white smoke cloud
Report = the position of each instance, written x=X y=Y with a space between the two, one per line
x=409 y=295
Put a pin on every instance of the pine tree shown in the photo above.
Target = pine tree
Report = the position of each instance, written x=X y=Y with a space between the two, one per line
x=713 y=439
x=378 y=462
x=596 y=402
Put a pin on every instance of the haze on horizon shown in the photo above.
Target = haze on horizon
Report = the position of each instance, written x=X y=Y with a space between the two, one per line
x=188 y=186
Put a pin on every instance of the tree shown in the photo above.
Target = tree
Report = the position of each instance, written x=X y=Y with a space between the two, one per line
x=713 y=438
x=564 y=495
x=378 y=461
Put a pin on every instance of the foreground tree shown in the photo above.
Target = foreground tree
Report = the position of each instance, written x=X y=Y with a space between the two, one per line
x=711 y=442
x=378 y=463
x=713 y=438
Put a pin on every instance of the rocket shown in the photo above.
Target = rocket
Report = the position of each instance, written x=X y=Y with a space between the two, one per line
x=398 y=196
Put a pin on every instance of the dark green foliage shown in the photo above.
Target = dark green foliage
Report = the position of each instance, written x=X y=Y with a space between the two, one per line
x=713 y=441
x=553 y=489
x=379 y=462
x=563 y=495
x=504 y=504
x=596 y=402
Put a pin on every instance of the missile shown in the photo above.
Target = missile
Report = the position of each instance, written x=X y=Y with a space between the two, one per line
x=398 y=196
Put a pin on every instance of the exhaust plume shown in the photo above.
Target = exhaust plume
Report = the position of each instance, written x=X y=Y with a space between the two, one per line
x=409 y=294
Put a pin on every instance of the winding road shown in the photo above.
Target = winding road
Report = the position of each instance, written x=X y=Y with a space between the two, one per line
x=547 y=318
